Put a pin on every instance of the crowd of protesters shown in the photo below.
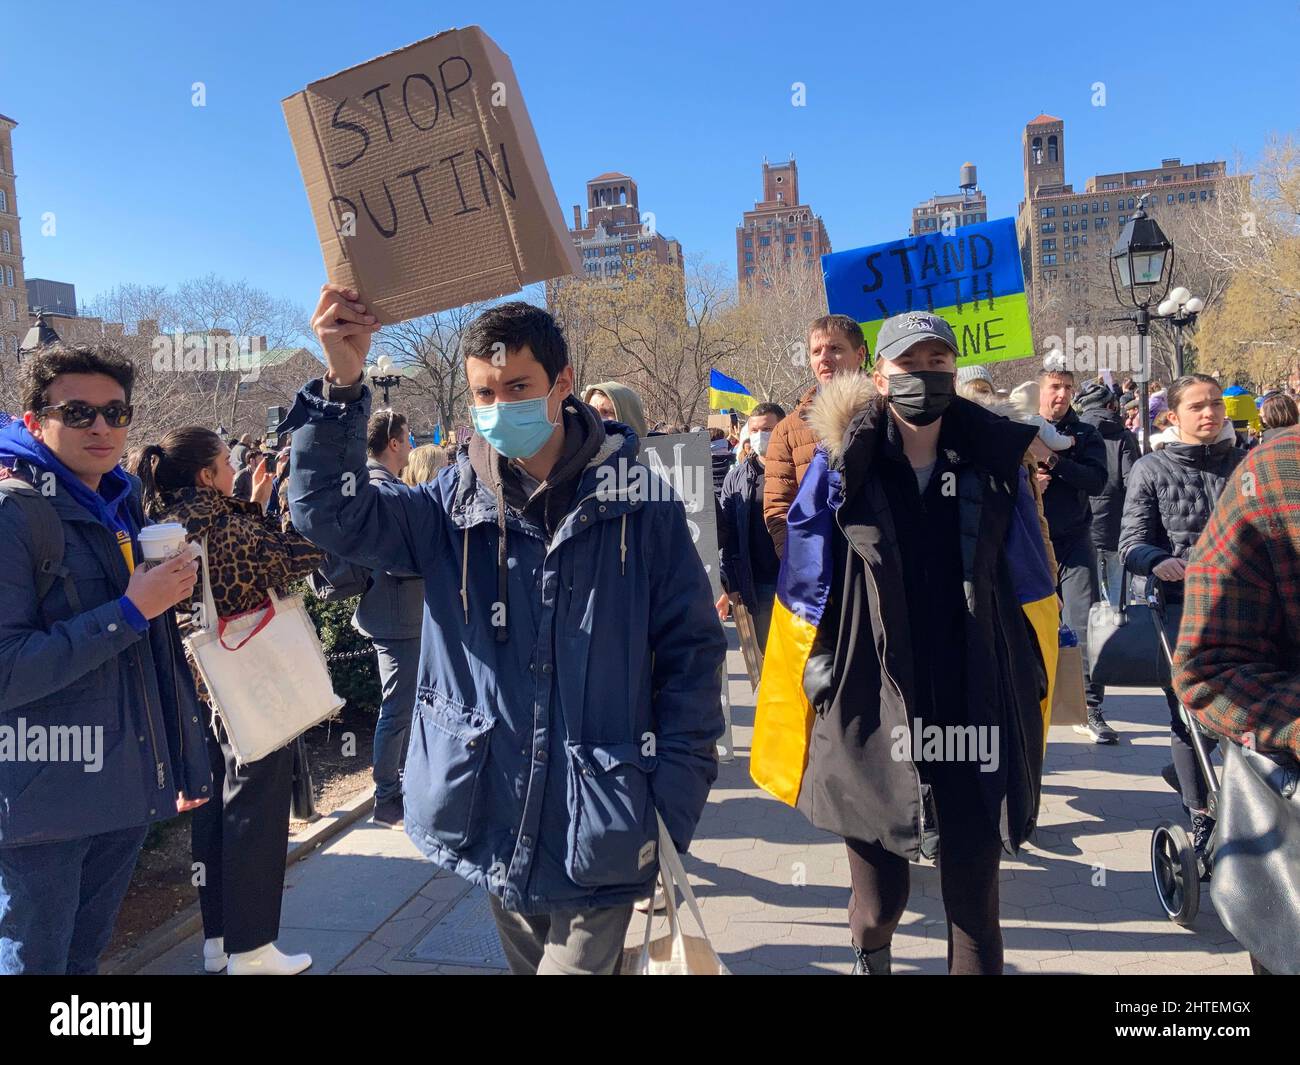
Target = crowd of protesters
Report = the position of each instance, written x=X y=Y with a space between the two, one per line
x=532 y=629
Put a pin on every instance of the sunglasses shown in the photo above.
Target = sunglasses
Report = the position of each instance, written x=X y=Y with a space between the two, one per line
x=78 y=415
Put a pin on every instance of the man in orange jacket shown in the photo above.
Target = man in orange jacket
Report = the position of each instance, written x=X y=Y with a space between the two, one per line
x=835 y=345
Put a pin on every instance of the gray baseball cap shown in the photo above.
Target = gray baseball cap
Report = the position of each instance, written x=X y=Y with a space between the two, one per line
x=900 y=332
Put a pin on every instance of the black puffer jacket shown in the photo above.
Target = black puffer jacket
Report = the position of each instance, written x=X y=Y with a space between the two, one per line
x=1079 y=473
x=1170 y=496
x=1121 y=453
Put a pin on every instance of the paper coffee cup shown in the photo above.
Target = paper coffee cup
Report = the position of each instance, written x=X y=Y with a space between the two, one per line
x=159 y=541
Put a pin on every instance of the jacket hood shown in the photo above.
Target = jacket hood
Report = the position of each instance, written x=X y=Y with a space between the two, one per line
x=847 y=408
x=1169 y=435
x=17 y=445
x=832 y=409
x=585 y=437
x=627 y=405
x=806 y=400
x=587 y=442
x=1107 y=422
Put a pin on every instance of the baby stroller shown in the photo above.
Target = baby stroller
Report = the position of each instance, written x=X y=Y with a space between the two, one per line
x=1175 y=866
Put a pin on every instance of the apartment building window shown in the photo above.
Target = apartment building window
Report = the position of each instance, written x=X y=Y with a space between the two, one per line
x=1138 y=182
x=1182 y=196
x=1047 y=212
x=1049 y=244
x=1083 y=223
x=1074 y=242
x=807 y=234
x=9 y=276
x=748 y=270
x=1105 y=205
x=13 y=310
x=749 y=256
x=1123 y=218
x=807 y=253
x=1169 y=197
x=1130 y=203
x=789 y=238
x=1203 y=195
x=4 y=200
x=1100 y=223
x=1074 y=208
x=645 y=246
x=1110 y=184
x=749 y=242
x=5 y=246
x=1049 y=260
x=1084 y=239
x=763 y=242
x=1048 y=227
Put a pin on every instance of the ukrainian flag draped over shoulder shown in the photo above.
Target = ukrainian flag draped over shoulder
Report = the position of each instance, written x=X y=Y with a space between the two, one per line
x=1035 y=585
x=726 y=393
x=784 y=716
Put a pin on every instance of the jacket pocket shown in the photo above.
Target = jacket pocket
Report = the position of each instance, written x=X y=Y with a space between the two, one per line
x=448 y=750
x=612 y=825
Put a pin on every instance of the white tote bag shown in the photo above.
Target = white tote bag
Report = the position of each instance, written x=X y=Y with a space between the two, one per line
x=264 y=670
x=675 y=954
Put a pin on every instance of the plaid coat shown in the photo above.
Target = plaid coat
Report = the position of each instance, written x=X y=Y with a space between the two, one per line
x=1237 y=664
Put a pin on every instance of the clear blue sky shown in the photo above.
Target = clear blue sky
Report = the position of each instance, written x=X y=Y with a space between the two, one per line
x=684 y=97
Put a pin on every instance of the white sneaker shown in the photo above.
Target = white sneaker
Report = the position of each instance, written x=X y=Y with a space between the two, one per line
x=214 y=954
x=267 y=961
x=659 y=902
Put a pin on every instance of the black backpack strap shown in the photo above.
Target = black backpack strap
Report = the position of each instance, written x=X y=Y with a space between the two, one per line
x=47 y=537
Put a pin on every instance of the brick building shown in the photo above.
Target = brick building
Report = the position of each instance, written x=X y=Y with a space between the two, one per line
x=1064 y=234
x=615 y=228
x=13 y=286
x=946 y=211
x=780 y=222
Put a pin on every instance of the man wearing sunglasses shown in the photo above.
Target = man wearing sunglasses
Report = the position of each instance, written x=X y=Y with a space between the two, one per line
x=100 y=730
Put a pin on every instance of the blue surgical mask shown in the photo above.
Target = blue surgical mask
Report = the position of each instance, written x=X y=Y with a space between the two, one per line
x=518 y=429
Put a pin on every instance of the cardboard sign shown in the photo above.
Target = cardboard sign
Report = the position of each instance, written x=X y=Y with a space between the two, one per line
x=684 y=462
x=971 y=278
x=425 y=178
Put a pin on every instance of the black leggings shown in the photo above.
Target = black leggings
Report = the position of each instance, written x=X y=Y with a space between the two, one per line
x=970 y=851
x=1191 y=781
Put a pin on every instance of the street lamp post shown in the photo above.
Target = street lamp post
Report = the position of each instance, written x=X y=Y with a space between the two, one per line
x=40 y=334
x=382 y=375
x=1141 y=263
x=1180 y=309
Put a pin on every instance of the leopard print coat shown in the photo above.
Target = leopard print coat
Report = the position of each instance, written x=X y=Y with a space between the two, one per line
x=248 y=552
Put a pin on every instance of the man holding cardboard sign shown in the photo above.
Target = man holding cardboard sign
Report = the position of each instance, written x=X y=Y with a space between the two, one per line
x=570 y=662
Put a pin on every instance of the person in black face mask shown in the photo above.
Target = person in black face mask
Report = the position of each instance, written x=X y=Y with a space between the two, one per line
x=935 y=546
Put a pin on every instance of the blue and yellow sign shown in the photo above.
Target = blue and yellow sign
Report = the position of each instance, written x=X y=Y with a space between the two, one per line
x=970 y=277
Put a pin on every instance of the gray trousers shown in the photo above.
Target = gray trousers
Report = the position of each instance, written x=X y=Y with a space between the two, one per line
x=1076 y=584
x=563 y=942
x=399 y=667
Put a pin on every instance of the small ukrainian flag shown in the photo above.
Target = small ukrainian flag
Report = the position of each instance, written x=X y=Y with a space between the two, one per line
x=726 y=393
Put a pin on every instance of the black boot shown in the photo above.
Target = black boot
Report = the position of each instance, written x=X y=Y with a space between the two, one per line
x=1202 y=830
x=872 y=962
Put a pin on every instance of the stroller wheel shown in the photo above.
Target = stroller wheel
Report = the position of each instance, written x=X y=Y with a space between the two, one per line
x=1175 y=872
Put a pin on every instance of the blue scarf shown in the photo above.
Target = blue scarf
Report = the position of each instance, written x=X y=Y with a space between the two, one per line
x=107 y=504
